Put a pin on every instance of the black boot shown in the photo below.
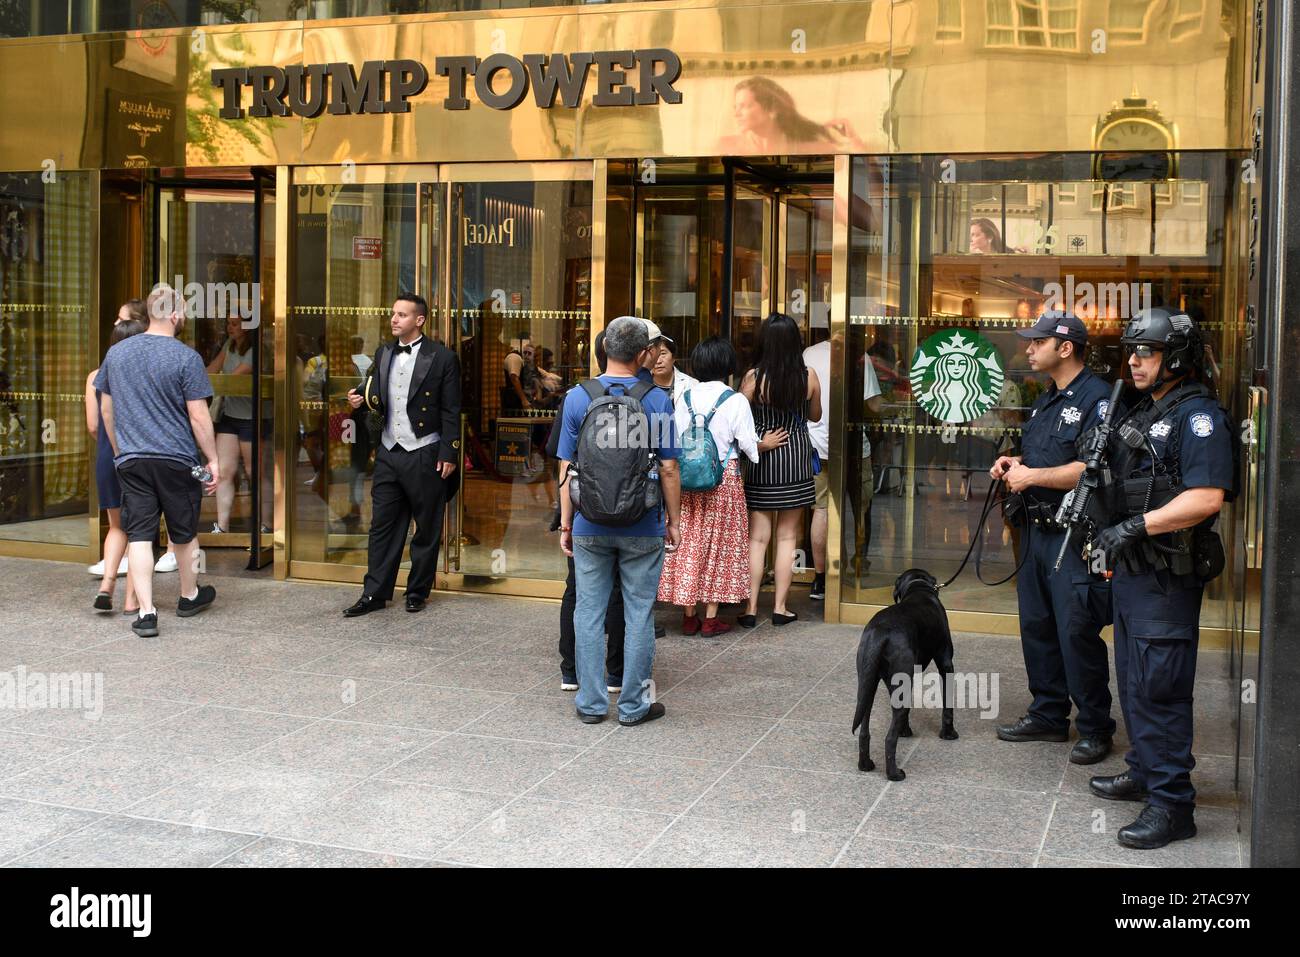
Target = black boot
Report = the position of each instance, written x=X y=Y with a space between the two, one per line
x=1117 y=787
x=1157 y=826
x=1031 y=729
x=1090 y=749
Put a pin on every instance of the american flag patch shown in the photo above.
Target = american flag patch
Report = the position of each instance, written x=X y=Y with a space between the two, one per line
x=1063 y=330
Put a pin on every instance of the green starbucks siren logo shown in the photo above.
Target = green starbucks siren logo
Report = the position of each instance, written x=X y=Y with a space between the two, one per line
x=956 y=375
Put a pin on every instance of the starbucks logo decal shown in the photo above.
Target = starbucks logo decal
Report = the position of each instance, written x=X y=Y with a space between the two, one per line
x=956 y=375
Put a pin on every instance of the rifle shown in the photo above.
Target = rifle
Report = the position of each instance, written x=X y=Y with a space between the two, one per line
x=1073 y=513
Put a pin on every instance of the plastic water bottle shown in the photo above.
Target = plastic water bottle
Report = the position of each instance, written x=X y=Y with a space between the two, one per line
x=201 y=473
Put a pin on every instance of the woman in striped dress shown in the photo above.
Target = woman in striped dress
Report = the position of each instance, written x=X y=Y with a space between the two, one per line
x=784 y=394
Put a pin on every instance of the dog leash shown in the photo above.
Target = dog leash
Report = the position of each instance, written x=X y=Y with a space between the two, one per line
x=977 y=542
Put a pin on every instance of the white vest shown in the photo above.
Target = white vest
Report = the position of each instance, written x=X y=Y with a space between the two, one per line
x=397 y=425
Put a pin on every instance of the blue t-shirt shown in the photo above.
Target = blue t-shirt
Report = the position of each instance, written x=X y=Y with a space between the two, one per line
x=150 y=379
x=659 y=411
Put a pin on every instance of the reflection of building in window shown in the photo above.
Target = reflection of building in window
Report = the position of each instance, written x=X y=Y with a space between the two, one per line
x=948 y=28
x=1164 y=193
x=1118 y=196
x=1186 y=18
x=1192 y=193
x=1033 y=24
x=1126 y=21
x=1067 y=193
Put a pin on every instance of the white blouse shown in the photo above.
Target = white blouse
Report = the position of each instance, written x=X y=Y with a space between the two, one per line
x=732 y=425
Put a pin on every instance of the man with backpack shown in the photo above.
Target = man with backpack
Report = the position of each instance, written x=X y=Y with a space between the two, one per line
x=620 y=498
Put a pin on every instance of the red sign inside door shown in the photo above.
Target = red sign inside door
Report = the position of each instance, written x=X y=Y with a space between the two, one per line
x=367 y=247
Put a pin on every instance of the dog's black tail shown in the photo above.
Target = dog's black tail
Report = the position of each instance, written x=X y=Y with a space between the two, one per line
x=868 y=675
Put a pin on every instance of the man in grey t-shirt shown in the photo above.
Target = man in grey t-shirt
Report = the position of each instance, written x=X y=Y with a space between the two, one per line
x=154 y=404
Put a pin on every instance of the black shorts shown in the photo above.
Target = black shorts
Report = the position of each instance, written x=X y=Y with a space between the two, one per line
x=154 y=487
x=229 y=425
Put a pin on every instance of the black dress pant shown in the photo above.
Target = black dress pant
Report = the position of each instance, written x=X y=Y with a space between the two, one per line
x=615 y=627
x=406 y=485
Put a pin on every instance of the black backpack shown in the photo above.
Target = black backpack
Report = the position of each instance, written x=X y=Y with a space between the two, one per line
x=615 y=477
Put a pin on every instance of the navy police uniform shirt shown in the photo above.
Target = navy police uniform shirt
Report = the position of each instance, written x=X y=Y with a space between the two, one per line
x=1195 y=439
x=1055 y=423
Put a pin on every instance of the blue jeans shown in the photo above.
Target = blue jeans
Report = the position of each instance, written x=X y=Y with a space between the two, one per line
x=638 y=561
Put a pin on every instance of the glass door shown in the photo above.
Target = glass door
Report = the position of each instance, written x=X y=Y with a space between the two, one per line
x=518 y=278
x=210 y=249
x=359 y=238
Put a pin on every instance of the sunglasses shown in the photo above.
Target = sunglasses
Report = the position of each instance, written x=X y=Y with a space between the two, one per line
x=1143 y=351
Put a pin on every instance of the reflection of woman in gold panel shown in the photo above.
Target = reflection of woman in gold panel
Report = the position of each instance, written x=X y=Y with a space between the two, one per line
x=769 y=124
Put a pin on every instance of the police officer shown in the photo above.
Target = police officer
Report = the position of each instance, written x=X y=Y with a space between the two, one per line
x=1171 y=459
x=1061 y=613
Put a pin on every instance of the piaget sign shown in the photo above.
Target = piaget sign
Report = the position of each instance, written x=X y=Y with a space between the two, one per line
x=500 y=81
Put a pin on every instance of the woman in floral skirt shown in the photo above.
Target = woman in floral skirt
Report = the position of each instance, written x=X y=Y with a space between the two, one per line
x=711 y=565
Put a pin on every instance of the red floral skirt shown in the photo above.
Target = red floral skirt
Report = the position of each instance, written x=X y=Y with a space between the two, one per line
x=712 y=562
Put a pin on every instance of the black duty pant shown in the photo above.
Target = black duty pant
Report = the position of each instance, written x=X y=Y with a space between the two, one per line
x=1061 y=617
x=1157 y=630
x=615 y=627
x=406 y=485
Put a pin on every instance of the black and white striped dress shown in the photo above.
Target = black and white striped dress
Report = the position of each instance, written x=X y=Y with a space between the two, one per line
x=782 y=477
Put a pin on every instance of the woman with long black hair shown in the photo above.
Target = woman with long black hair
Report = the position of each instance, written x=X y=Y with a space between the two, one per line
x=784 y=395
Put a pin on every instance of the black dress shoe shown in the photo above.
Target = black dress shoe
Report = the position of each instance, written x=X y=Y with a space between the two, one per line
x=1156 y=827
x=1117 y=787
x=590 y=718
x=1090 y=749
x=364 y=606
x=1030 y=729
x=653 y=713
x=414 y=603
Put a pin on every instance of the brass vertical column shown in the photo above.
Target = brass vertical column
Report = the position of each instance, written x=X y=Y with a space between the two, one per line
x=835 y=407
x=599 y=247
x=284 y=407
x=92 y=319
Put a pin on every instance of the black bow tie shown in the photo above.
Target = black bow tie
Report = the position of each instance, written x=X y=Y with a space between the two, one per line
x=407 y=349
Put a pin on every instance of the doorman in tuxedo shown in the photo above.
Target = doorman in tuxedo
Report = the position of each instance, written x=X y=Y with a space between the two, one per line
x=414 y=384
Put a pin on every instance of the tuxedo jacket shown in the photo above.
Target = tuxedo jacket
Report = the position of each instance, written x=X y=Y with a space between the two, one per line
x=433 y=398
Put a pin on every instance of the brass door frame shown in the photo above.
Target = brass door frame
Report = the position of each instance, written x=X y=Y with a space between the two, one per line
x=451 y=176
x=224 y=385
x=426 y=177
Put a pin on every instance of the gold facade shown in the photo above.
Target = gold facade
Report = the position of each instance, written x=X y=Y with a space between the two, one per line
x=911 y=77
x=938 y=86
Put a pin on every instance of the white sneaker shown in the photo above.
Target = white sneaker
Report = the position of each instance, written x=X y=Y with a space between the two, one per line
x=167 y=563
x=614 y=689
x=568 y=685
x=97 y=569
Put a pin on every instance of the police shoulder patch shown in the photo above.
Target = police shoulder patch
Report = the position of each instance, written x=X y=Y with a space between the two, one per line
x=1102 y=406
x=1202 y=424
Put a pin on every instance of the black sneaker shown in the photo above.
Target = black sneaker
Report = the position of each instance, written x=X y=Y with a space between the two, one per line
x=146 y=626
x=656 y=710
x=590 y=718
x=188 y=607
x=818 y=590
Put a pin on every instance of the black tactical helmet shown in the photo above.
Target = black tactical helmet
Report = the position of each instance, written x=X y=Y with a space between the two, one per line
x=1172 y=332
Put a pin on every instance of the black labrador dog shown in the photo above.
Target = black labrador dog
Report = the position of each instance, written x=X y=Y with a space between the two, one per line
x=913 y=631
